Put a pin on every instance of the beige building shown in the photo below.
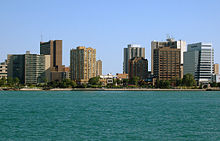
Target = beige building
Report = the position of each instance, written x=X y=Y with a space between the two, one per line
x=216 y=68
x=122 y=76
x=171 y=43
x=166 y=60
x=98 y=67
x=82 y=64
x=3 y=70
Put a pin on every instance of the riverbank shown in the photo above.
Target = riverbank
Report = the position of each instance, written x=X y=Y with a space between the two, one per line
x=105 y=89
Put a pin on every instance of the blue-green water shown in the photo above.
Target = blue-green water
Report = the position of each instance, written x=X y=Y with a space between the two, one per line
x=109 y=115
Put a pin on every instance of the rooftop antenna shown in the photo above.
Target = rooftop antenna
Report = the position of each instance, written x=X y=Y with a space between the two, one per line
x=41 y=37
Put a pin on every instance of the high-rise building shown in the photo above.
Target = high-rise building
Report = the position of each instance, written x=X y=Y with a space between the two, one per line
x=216 y=68
x=130 y=52
x=29 y=68
x=138 y=66
x=98 y=67
x=3 y=70
x=54 y=49
x=82 y=64
x=166 y=59
x=171 y=43
x=199 y=60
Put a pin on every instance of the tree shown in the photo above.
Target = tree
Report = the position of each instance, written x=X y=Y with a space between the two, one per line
x=73 y=84
x=2 y=81
x=134 y=80
x=125 y=82
x=188 y=80
x=94 y=81
x=16 y=81
x=10 y=82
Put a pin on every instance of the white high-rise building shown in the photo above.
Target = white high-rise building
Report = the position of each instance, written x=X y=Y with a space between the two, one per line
x=199 y=60
x=132 y=51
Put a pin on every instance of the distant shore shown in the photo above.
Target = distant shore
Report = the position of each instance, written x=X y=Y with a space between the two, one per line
x=106 y=89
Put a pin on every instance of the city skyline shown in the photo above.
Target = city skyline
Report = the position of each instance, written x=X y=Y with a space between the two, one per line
x=106 y=26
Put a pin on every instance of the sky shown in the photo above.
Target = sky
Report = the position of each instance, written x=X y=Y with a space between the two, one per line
x=106 y=25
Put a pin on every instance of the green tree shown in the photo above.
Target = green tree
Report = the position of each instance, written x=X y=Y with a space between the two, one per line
x=10 y=82
x=16 y=81
x=188 y=80
x=125 y=82
x=94 y=81
x=134 y=80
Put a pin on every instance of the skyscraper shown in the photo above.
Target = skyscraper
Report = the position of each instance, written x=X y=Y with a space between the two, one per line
x=172 y=44
x=54 y=49
x=98 y=67
x=199 y=60
x=82 y=64
x=166 y=59
x=138 y=66
x=29 y=68
x=216 y=68
x=131 y=52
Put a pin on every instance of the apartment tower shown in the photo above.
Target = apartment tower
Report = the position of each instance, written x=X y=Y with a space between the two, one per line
x=169 y=43
x=166 y=59
x=98 y=67
x=216 y=68
x=138 y=66
x=82 y=64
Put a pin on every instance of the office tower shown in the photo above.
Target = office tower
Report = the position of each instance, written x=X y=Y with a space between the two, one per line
x=82 y=64
x=138 y=66
x=3 y=70
x=216 y=68
x=171 y=43
x=199 y=60
x=29 y=68
x=130 y=52
x=54 y=49
x=98 y=67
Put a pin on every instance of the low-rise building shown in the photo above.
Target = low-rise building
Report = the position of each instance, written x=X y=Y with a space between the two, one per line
x=107 y=79
x=122 y=76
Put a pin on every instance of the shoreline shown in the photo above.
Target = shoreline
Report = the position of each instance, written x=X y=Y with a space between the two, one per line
x=106 y=89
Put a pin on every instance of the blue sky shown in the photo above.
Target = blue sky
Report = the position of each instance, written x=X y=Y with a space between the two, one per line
x=105 y=25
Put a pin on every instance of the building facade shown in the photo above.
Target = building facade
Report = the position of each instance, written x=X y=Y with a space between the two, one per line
x=54 y=49
x=216 y=68
x=3 y=70
x=199 y=60
x=98 y=67
x=82 y=64
x=166 y=60
x=169 y=43
x=29 y=68
x=130 y=52
x=138 y=66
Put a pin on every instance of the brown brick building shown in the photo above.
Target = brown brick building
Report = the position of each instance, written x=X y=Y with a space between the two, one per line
x=167 y=63
x=138 y=66
x=54 y=49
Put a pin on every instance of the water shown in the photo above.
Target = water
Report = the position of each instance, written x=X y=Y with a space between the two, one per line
x=109 y=115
